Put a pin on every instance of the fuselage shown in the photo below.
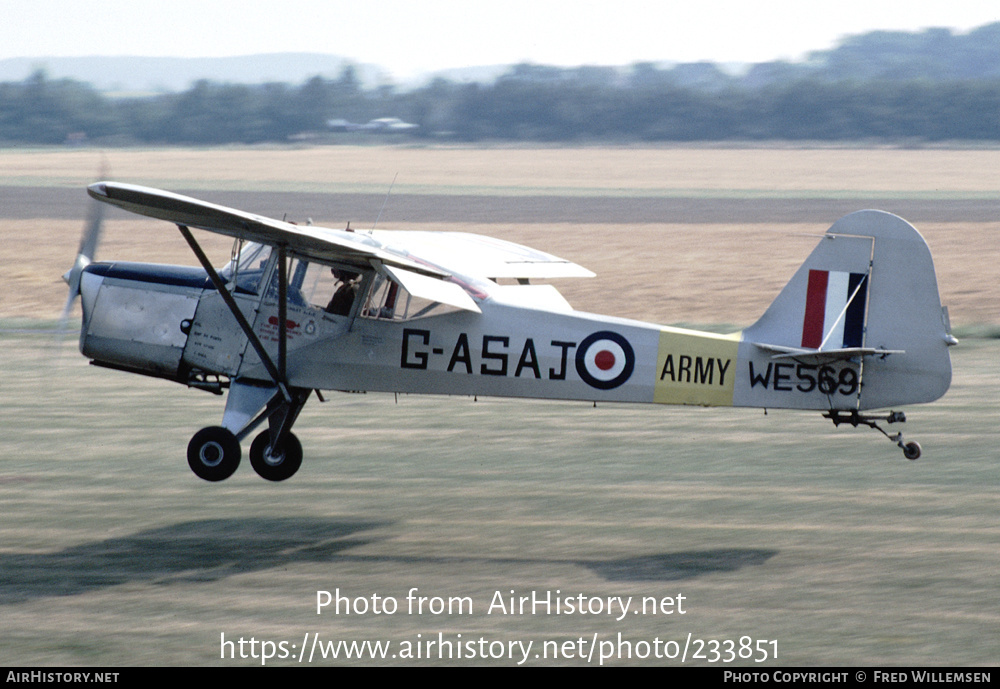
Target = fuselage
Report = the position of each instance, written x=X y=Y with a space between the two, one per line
x=526 y=341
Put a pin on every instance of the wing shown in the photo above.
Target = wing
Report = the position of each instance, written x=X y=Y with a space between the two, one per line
x=436 y=254
x=479 y=256
x=310 y=242
x=410 y=257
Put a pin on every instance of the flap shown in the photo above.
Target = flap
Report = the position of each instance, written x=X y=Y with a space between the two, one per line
x=433 y=289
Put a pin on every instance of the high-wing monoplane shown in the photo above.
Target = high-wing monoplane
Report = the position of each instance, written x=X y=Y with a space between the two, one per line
x=302 y=309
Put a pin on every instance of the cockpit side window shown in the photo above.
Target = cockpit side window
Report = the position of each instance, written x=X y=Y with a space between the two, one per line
x=389 y=300
x=311 y=284
x=330 y=288
x=337 y=289
x=383 y=298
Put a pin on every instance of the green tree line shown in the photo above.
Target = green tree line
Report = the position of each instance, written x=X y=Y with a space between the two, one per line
x=931 y=86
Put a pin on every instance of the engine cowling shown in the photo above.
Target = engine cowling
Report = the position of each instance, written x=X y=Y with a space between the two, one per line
x=137 y=316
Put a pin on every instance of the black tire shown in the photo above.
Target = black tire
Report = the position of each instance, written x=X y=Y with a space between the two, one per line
x=214 y=453
x=275 y=466
x=911 y=450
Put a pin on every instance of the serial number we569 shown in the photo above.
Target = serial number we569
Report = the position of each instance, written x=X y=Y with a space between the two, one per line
x=788 y=377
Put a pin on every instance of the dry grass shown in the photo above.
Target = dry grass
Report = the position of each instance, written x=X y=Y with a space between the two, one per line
x=598 y=170
x=664 y=273
x=699 y=273
x=775 y=527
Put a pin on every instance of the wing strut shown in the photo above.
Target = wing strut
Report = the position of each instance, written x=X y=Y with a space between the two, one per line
x=277 y=373
x=282 y=311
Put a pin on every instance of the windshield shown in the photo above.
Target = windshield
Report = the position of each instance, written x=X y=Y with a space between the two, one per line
x=247 y=267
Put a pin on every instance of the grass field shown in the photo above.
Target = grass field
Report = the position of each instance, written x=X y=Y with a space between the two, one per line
x=773 y=527
x=776 y=527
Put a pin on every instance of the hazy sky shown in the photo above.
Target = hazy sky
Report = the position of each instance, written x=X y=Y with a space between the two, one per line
x=412 y=36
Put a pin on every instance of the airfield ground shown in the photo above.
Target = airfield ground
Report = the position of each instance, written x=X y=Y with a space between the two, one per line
x=674 y=235
x=775 y=527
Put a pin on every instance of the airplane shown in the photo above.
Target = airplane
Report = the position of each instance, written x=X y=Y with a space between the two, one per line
x=301 y=309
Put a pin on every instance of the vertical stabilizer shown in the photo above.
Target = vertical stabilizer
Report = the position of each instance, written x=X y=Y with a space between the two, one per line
x=867 y=298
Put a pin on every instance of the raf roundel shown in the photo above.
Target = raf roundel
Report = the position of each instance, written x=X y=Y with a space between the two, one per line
x=605 y=360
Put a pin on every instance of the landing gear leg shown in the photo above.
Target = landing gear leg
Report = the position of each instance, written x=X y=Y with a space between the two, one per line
x=276 y=454
x=911 y=450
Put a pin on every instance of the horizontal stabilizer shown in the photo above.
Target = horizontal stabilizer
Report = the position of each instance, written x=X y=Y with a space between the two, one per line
x=824 y=356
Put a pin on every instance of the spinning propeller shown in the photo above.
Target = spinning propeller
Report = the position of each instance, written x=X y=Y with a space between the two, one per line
x=84 y=256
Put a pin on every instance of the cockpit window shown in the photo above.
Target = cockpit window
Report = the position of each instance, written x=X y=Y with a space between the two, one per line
x=247 y=267
x=329 y=288
x=388 y=300
x=348 y=284
x=339 y=290
x=382 y=298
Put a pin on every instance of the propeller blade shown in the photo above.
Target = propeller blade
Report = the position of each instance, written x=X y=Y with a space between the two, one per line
x=84 y=256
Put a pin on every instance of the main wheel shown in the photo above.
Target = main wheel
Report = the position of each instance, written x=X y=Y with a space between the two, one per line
x=275 y=466
x=214 y=453
x=911 y=450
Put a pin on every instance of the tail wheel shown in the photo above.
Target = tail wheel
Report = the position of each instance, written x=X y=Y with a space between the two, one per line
x=214 y=453
x=276 y=465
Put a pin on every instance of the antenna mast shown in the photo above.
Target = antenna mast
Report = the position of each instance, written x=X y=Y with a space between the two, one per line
x=385 y=201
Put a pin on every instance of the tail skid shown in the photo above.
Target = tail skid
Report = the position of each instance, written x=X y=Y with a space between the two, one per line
x=911 y=450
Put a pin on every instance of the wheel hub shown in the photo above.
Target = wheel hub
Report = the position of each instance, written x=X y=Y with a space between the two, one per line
x=211 y=454
x=273 y=458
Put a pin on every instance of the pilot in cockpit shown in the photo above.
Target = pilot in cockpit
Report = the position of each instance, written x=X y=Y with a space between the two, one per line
x=342 y=300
